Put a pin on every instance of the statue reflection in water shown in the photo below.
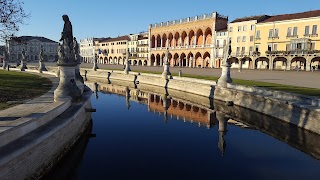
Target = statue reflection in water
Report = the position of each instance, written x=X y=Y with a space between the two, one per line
x=223 y=122
x=96 y=89
x=166 y=105
x=128 y=98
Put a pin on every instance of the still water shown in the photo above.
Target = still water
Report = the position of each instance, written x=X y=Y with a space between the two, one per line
x=140 y=134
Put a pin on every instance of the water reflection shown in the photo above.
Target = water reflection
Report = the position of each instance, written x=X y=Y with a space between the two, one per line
x=210 y=113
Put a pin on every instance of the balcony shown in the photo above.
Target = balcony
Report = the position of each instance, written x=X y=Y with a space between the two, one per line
x=142 y=45
x=193 y=46
x=295 y=52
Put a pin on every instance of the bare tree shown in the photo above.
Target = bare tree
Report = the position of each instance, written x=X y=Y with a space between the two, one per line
x=12 y=16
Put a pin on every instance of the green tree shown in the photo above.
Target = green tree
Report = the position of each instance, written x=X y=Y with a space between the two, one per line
x=12 y=15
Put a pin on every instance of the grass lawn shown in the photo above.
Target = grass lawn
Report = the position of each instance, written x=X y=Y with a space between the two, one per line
x=273 y=86
x=17 y=86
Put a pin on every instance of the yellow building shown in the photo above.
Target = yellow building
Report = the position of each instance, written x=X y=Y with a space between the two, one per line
x=112 y=50
x=191 y=40
x=288 y=41
x=241 y=34
x=143 y=49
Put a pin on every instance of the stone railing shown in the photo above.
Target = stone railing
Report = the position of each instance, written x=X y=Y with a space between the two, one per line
x=189 y=19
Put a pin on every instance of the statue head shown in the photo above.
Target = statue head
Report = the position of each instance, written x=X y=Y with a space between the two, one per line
x=65 y=18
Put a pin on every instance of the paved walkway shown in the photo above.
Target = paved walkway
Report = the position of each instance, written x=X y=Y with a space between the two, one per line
x=301 y=78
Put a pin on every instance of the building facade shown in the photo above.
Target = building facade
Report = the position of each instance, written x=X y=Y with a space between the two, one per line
x=222 y=37
x=143 y=49
x=31 y=45
x=113 y=50
x=132 y=47
x=87 y=49
x=241 y=34
x=190 y=40
x=289 y=41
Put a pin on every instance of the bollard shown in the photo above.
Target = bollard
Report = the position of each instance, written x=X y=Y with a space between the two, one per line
x=180 y=73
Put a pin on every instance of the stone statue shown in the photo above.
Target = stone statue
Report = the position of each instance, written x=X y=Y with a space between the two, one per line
x=60 y=52
x=23 y=54
x=67 y=35
x=76 y=50
x=41 y=54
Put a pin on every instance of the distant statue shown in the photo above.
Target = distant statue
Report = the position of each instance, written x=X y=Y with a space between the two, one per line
x=41 y=54
x=76 y=50
x=67 y=35
x=23 y=54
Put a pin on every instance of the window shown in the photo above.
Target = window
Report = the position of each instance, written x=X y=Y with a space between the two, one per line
x=312 y=46
x=238 y=50
x=245 y=28
x=306 y=30
x=276 y=33
x=252 y=27
x=295 y=31
x=230 y=29
x=275 y=47
x=314 y=30
x=217 y=43
x=269 y=47
x=244 y=38
x=250 y=50
x=251 y=38
x=238 y=38
x=257 y=48
x=243 y=49
x=289 y=32
x=270 y=33
x=258 y=34
x=239 y=28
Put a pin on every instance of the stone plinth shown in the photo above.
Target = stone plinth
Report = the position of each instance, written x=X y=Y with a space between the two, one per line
x=78 y=75
x=166 y=71
x=23 y=65
x=67 y=86
x=42 y=67
x=225 y=76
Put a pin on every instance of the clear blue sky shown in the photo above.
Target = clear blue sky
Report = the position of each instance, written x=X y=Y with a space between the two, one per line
x=104 y=18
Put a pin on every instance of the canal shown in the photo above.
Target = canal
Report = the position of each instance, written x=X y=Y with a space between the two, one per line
x=153 y=133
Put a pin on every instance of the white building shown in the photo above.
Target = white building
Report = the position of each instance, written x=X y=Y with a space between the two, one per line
x=31 y=45
x=143 y=49
x=87 y=50
x=221 y=41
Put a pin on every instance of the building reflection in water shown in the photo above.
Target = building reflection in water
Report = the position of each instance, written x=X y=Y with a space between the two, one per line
x=216 y=113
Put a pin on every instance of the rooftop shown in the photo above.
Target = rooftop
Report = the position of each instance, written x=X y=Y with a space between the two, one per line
x=258 y=18
x=282 y=17
x=119 y=38
x=29 y=38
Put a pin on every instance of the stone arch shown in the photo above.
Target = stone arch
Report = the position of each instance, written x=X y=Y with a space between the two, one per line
x=181 y=105
x=153 y=41
x=247 y=63
x=184 y=60
x=300 y=62
x=170 y=59
x=191 y=38
x=232 y=61
x=199 y=39
x=110 y=60
x=145 y=63
x=153 y=60
x=176 y=39
x=184 y=38
x=135 y=62
x=261 y=63
x=100 y=60
x=164 y=40
x=50 y=57
x=115 y=59
x=206 y=59
x=162 y=58
x=158 y=60
x=140 y=62
x=105 y=60
x=279 y=63
x=208 y=36
x=171 y=41
x=198 y=60
x=315 y=62
x=158 y=40
x=120 y=60
x=176 y=58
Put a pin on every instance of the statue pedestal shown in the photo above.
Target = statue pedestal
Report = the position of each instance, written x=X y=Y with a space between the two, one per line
x=127 y=69
x=225 y=76
x=166 y=71
x=5 y=64
x=78 y=75
x=23 y=65
x=67 y=86
x=95 y=66
x=42 y=67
